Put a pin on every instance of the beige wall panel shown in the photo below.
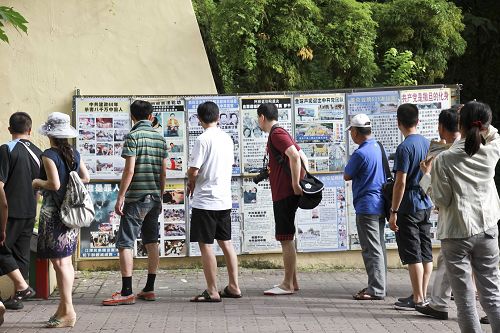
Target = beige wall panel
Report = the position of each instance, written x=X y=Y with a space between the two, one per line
x=101 y=47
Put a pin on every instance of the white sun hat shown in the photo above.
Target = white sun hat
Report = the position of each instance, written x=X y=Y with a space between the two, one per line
x=360 y=120
x=58 y=126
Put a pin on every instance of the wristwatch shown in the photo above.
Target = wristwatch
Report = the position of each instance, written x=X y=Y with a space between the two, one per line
x=393 y=211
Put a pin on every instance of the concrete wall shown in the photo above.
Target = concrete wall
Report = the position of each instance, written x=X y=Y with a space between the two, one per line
x=101 y=47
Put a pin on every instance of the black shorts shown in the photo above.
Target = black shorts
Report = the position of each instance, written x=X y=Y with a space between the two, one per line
x=284 y=217
x=207 y=225
x=414 y=237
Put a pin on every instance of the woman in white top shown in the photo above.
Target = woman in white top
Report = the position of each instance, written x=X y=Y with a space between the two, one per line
x=469 y=207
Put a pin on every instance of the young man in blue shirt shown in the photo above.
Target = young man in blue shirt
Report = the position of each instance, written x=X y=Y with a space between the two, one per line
x=411 y=208
x=366 y=170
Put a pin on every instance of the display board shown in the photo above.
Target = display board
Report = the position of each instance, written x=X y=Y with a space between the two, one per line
x=229 y=122
x=381 y=107
x=102 y=124
x=324 y=228
x=258 y=218
x=430 y=102
x=254 y=140
x=99 y=240
x=320 y=131
x=169 y=120
x=317 y=121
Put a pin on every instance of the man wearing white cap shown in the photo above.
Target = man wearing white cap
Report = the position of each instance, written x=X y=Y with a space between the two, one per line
x=366 y=171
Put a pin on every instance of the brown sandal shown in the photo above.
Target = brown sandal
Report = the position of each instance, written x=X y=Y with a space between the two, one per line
x=362 y=295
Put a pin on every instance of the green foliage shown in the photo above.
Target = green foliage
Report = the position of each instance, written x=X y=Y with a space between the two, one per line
x=399 y=68
x=10 y=16
x=344 y=48
x=430 y=29
x=269 y=45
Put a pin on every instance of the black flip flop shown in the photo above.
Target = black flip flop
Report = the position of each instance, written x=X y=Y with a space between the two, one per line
x=204 y=297
x=227 y=294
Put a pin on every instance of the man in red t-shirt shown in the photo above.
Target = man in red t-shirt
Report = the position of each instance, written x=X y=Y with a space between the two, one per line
x=285 y=190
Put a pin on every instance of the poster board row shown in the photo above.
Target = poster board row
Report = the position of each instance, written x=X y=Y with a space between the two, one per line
x=317 y=122
x=252 y=221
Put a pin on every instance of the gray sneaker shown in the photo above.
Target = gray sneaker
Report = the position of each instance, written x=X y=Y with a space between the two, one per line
x=406 y=305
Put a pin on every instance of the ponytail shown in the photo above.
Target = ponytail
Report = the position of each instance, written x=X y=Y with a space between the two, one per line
x=66 y=150
x=472 y=141
x=474 y=118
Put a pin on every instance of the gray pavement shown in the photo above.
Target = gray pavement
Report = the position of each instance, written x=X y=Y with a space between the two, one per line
x=324 y=304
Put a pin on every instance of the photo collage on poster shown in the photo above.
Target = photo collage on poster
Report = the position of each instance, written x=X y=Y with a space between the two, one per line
x=319 y=131
x=229 y=122
x=171 y=223
x=102 y=124
x=254 y=140
x=99 y=240
x=194 y=249
x=380 y=107
x=258 y=218
x=324 y=228
x=169 y=121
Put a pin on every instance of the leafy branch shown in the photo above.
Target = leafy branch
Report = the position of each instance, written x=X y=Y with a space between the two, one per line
x=10 y=16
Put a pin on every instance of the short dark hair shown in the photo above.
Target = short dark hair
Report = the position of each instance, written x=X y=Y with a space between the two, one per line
x=269 y=110
x=364 y=130
x=141 y=110
x=408 y=115
x=20 y=123
x=208 y=112
x=448 y=118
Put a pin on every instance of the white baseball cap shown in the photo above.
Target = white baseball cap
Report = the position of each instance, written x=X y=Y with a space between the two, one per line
x=359 y=120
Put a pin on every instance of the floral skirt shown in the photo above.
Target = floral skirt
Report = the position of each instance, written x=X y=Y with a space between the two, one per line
x=55 y=240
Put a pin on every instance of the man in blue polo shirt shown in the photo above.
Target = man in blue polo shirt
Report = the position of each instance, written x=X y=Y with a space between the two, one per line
x=366 y=171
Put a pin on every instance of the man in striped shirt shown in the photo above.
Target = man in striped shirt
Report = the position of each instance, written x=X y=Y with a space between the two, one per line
x=139 y=200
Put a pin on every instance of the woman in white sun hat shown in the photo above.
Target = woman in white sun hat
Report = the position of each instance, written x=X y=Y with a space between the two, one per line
x=56 y=241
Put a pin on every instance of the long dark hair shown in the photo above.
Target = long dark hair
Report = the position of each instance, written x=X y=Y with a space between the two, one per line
x=474 y=118
x=66 y=150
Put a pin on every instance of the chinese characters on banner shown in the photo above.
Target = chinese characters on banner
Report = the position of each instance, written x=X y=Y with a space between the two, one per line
x=381 y=107
x=319 y=131
x=194 y=249
x=324 y=228
x=229 y=122
x=169 y=121
x=254 y=140
x=430 y=102
x=98 y=240
x=102 y=123
x=258 y=218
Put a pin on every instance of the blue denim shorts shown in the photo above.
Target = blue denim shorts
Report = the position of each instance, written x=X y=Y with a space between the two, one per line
x=141 y=215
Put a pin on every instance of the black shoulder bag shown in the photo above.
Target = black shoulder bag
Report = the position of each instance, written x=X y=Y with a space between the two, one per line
x=388 y=186
x=312 y=187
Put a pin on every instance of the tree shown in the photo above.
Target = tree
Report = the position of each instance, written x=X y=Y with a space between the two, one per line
x=399 y=68
x=10 y=16
x=268 y=45
x=430 y=29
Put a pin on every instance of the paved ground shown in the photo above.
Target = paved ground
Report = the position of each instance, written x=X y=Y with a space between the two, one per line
x=324 y=304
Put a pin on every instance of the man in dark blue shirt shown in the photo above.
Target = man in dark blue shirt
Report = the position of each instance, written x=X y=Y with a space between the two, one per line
x=366 y=171
x=411 y=208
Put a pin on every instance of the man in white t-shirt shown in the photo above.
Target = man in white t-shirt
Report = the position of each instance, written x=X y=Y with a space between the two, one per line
x=209 y=185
